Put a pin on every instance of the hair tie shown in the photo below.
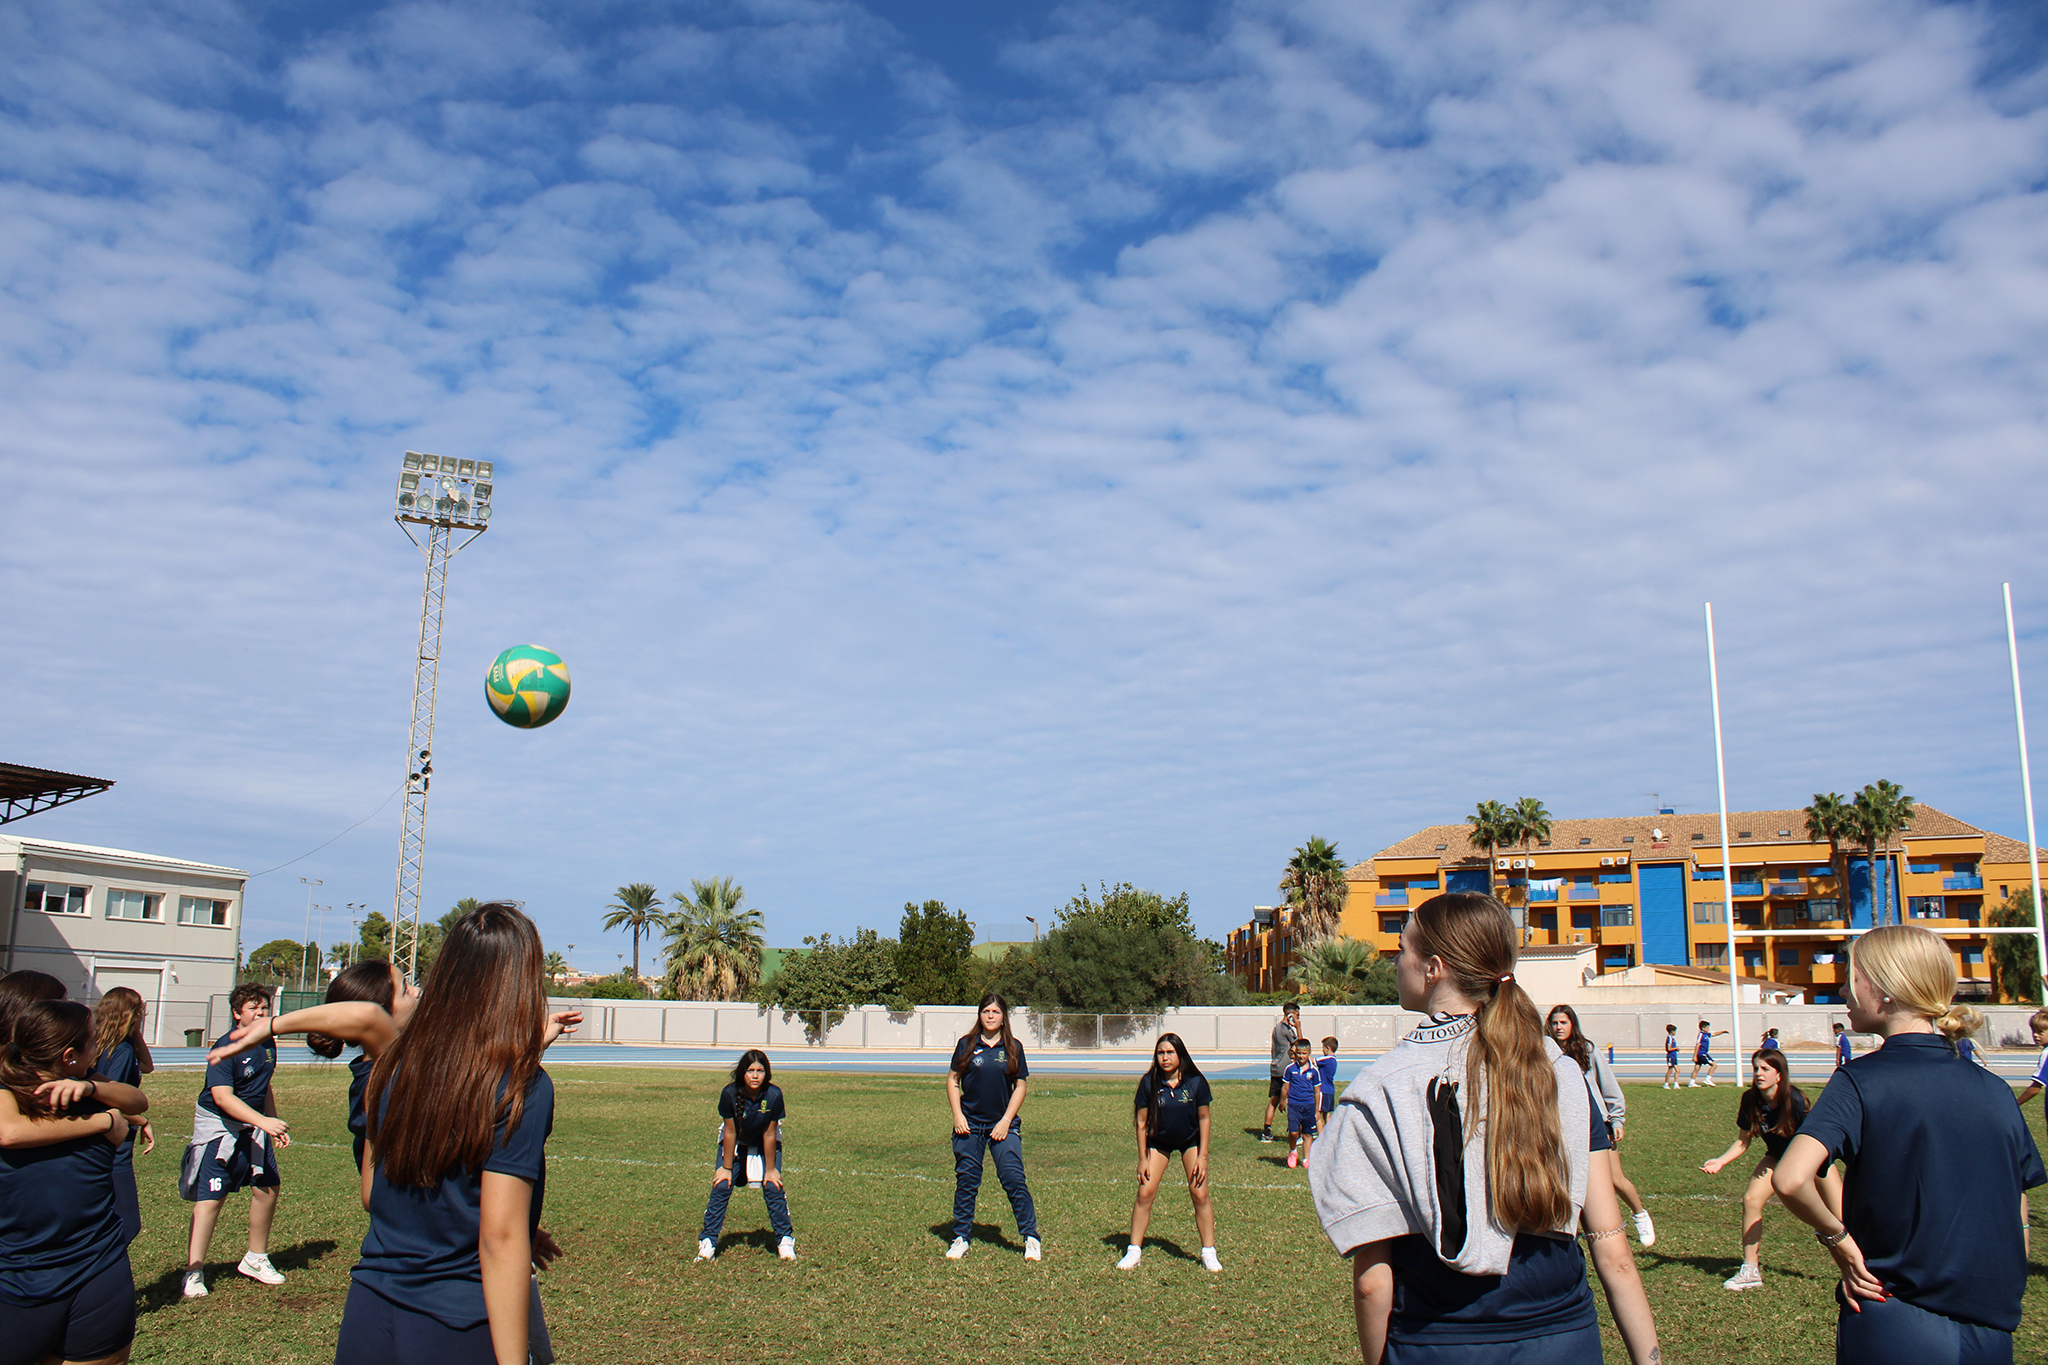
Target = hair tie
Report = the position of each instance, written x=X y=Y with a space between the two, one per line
x=1509 y=977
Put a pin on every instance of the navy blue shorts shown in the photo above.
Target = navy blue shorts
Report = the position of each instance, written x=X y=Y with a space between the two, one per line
x=1894 y=1332
x=94 y=1320
x=376 y=1331
x=1301 y=1118
x=233 y=1161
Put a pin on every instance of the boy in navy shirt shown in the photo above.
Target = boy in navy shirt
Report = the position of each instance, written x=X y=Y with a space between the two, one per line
x=1703 y=1053
x=2038 y=1023
x=1843 y=1051
x=235 y=1133
x=1327 y=1066
x=1303 y=1080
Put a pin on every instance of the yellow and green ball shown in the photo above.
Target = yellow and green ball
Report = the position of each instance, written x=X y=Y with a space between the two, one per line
x=528 y=686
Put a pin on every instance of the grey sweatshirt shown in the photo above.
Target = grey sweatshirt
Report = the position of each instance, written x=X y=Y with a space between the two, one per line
x=1374 y=1176
x=1607 y=1090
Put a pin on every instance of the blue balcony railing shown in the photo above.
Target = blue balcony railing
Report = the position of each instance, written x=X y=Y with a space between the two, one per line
x=1788 y=888
x=1391 y=898
x=1749 y=888
x=1542 y=893
x=1585 y=893
x=1962 y=883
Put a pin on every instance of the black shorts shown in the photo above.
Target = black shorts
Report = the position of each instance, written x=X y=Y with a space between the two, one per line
x=1174 y=1150
x=94 y=1320
x=376 y=1331
x=1277 y=1089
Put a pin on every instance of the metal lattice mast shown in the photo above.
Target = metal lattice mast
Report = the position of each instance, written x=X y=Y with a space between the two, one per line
x=443 y=495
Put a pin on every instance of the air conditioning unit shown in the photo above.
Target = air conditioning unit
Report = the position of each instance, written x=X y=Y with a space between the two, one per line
x=1500 y=862
x=1607 y=862
x=1519 y=862
x=1578 y=938
x=1621 y=860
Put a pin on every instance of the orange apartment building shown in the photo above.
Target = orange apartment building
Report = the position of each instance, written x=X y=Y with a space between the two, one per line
x=1651 y=889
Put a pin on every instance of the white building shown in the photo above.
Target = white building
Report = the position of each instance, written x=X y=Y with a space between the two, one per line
x=96 y=918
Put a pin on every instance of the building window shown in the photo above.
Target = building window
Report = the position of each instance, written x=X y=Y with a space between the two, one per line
x=1391 y=924
x=1823 y=907
x=1548 y=921
x=1788 y=957
x=1752 y=960
x=214 y=914
x=1824 y=959
x=134 y=905
x=1709 y=912
x=52 y=899
x=1710 y=954
x=1974 y=956
x=1617 y=916
x=1925 y=907
x=1582 y=919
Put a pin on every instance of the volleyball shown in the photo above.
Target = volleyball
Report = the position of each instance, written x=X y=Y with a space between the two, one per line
x=527 y=686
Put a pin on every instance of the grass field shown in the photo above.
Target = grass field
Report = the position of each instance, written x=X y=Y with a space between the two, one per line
x=870 y=1188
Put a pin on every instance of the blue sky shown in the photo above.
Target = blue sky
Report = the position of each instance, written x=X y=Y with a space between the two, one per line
x=976 y=451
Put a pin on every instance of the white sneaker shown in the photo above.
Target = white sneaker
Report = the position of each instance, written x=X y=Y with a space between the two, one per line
x=256 y=1265
x=1692 y=1085
x=1646 y=1231
x=1710 y=1082
x=1749 y=1277
x=1209 y=1261
x=706 y=1248
x=957 y=1250
x=195 y=1284
x=1130 y=1260
x=1032 y=1251
x=786 y=1248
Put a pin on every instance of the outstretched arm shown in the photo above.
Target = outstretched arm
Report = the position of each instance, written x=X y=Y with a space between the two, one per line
x=352 y=1021
x=1616 y=1265
x=19 y=1130
x=1735 y=1149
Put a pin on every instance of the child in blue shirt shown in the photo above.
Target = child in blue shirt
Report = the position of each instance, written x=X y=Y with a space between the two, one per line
x=750 y=1114
x=235 y=1136
x=1303 y=1081
x=1327 y=1066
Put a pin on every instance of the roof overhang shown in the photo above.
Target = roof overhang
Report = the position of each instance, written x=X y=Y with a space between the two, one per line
x=26 y=791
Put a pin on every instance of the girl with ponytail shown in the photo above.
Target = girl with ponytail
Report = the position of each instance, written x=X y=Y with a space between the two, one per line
x=1931 y=1241
x=1456 y=1168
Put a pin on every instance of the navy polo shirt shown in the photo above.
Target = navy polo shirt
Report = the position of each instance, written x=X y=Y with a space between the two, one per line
x=985 y=1084
x=118 y=1063
x=1178 y=1123
x=58 y=1224
x=245 y=1073
x=751 y=1115
x=1754 y=1114
x=421 y=1249
x=1947 y=1156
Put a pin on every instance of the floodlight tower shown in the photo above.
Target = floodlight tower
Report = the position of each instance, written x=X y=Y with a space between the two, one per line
x=445 y=496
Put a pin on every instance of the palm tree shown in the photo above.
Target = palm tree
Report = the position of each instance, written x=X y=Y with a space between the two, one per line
x=1335 y=969
x=1882 y=809
x=1314 y=880
x=1831 y=818
x=635 y=910
x=1491 y=827
x=714 y=948
x=555 y=968
x=1528 y=822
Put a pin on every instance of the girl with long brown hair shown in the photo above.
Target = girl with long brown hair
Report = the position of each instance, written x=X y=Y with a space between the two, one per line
x=1772 y=1108
x=1932 y=1242
x=64 y=1274
x=33 y=1125
x=1455 y=1170
x=454 y=1174
x=1610 y=1107
x=985 y=1086
x=124 y=1056
x=1171 y=1114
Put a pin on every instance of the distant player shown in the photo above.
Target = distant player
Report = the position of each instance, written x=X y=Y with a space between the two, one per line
x=1327 y=1064
x=235 y=1136
x=1303 y=1080
x=1671 y=1056
x=2038 y=1022
x=1284 y=1035
x=1703 y=1052
x=1171 y=1114
x=750 y=1112
x=1843 y=1051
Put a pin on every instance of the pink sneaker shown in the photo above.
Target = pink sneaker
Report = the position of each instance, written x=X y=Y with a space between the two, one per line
x=1293 y=1160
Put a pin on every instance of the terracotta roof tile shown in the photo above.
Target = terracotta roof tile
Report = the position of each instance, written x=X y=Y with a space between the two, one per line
x=1999 y=849
x=1605 y=835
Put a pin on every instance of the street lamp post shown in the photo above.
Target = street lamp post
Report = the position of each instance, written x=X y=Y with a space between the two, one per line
x=355 y=932
x=319 y=933
x=1034 y=927
x=310 y=883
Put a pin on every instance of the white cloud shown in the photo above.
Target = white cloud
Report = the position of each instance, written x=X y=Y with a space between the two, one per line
x=1311 y=420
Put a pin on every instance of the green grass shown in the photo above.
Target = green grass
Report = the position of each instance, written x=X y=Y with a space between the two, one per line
x=870 y=1185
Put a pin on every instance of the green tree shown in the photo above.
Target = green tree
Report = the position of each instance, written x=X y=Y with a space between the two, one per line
x=1528 y=822
x=375 y=936
x=1092 y=965
x=1831 y=817
x=1344 y=971
x=1881 y=810
x=2015 y=963
x=1314 y=882
x=934 y=961
x=714 y=943
x=1491 y=827
x=829 y=975
x=276 y=961
x=1129 y=909
x=635 y=910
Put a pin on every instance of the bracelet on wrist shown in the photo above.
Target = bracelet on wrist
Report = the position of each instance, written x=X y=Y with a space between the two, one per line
x=1831 y=1240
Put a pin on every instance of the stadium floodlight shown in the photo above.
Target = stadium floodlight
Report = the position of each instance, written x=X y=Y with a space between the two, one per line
x=442 y=495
